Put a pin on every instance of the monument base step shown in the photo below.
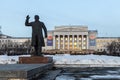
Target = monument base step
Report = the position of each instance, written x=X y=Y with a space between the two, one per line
x=35 y=60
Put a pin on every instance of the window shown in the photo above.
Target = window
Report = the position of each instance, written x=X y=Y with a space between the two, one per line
x=65 y=38
x=61 y=42
x=75 y=43
x=61 y=38
x=75 y=39
x=84 y=47
x=98 y=49
x=84 y=38
x=84 y=43
x=79 y=38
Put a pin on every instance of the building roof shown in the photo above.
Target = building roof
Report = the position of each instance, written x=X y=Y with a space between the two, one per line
x=108 y=37
x=4 y=36
x=21 y=37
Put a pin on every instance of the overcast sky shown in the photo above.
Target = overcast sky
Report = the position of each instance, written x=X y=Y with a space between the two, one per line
x=101 y=15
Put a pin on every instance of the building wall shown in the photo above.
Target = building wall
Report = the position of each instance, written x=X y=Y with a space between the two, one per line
x=12 y=41
x=102 y=43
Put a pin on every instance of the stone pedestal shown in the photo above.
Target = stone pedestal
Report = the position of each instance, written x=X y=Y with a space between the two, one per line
x=35 y=60
x=23 y=71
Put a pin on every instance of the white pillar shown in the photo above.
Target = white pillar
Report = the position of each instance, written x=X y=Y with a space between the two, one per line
x=68 y=41
x=72 y=41
x=87 y=41
x=82 y=41
x=77 y=41
x=63 y=42
x=54 y=42
x=58 y=41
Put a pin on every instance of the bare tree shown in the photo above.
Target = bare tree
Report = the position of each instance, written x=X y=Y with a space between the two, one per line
x=113 y=47
x=27 y=45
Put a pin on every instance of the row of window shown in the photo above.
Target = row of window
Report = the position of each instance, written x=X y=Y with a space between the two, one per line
x=106 y=50
x=3 y=46
x=71 y=39
x=71 y=42
x=4 y=41
x=99 y=41
x=75 y=47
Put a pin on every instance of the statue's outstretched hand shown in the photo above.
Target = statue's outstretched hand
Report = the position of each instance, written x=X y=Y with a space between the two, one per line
x=27 y=17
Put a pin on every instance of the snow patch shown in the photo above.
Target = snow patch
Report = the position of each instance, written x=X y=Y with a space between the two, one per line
x=65 y=77
x=85 y=79
x=105 y=77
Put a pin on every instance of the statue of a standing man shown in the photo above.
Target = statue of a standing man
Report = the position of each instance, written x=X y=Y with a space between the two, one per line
x=37 y=35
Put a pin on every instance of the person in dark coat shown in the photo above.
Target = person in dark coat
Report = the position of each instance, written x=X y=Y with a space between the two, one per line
x=37 y=34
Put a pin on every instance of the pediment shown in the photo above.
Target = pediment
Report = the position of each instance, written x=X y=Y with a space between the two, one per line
x=71 y=29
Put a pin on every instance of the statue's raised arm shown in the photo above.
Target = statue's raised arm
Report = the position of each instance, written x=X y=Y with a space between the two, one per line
x=27 y=21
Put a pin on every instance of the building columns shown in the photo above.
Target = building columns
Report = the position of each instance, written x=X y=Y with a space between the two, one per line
x=82 y=41
x=77 y=41
x=63 y=41
x=73 y=42
x=58 y=41
x=87 y=42
x=68 y=41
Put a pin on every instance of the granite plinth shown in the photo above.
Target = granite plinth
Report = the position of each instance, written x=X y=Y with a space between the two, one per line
x=35 y=60
x=22 y=71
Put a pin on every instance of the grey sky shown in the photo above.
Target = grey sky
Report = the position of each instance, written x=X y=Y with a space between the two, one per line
x=101 y=15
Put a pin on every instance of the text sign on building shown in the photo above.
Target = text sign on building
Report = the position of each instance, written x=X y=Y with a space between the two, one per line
x=92 y=41
x=50 y=41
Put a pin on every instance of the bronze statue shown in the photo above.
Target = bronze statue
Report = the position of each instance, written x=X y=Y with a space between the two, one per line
x=37 y=35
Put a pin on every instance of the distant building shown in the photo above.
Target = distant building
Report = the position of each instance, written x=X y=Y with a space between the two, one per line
x=77 y=38
x=8 y=41
x=102 y=43
x=66 y=39
x=72 y=38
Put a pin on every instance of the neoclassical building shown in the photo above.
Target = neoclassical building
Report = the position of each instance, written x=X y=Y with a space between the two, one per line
x=71 y=38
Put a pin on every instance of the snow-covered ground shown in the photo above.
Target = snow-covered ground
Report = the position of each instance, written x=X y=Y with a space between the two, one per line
x=79 y=60
x=66 y=59
x=4 y=59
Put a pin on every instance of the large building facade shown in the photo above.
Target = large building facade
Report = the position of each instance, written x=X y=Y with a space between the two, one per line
x=65 y=39
x=69 y=38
